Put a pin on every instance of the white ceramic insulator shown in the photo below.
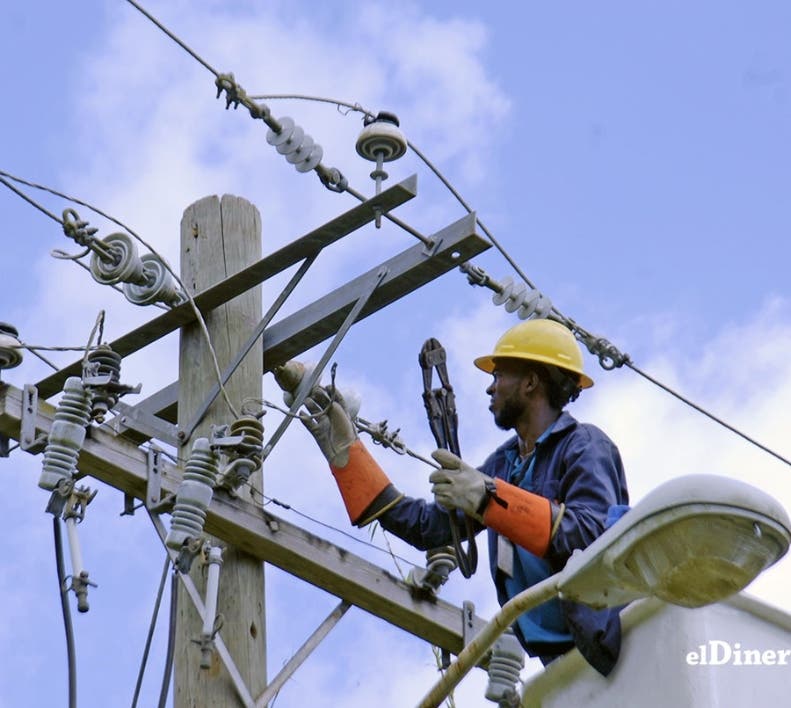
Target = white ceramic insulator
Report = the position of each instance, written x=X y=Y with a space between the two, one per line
x=212 y=588
x=77 y=566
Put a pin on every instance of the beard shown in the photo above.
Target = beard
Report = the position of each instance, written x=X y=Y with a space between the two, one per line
x=510 y=412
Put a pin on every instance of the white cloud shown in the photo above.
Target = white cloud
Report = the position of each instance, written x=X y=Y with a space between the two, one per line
x=154 y=140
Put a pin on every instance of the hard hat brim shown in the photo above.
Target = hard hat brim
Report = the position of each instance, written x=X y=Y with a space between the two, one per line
x=487 y=364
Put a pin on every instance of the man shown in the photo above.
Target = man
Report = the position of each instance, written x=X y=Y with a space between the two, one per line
x=544 y=493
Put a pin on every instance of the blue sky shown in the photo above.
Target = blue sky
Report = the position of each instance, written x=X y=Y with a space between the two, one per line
x=634 y=160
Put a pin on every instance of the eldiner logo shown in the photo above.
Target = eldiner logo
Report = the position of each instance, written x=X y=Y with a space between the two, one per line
x=717 y=652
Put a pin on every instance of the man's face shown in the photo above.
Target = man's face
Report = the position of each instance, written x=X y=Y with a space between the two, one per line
x=506 y=401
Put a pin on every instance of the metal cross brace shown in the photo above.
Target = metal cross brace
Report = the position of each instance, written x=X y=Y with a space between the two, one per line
x=308 y=383
x=186 y=433
x=301 y=654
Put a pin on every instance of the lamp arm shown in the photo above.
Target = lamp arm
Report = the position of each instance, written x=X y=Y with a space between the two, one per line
x=472 y=653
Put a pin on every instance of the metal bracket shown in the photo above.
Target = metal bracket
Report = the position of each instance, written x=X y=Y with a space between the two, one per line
x=137 y=418
x=154 y=480
x=467 y=622
x=27 y=427
x=432 y=248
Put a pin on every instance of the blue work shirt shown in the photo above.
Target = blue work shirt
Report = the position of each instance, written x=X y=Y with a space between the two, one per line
x=578 y=465
x=544 y=624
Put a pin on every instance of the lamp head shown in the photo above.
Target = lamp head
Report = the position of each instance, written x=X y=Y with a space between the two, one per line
x=692 y=541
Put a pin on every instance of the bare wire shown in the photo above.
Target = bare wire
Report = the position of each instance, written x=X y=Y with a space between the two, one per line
x=184 y=46
x=28 y=199
x=283 y=505
x=707 y=413
x=97 y=326
x=44 y=359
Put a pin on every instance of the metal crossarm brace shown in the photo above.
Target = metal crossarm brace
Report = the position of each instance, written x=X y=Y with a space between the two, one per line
x=313 y=379
x=303 y=247
x=302 y=653
x=264 y=536
x=314 y=323
x=186 y=434
x=407 y=271
x=139 y=419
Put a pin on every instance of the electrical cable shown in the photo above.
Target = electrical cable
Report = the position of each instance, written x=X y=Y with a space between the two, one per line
x=151 y=628
x=64 y=606
x=288 y=507
x=28 y=199
x=558 y=315
x=707 y=413
x=163 y=694
x=184 y=46
x=44 y=359
x=97 y=326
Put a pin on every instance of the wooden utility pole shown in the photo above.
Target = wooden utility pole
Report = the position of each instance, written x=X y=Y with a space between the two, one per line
x=220 y=237
x=222 y=263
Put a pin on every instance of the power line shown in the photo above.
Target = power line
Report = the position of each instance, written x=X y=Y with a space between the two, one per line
x=171 y=649
x=170 y=34
x=289 y=507
x=707 y=413
x=609 y=356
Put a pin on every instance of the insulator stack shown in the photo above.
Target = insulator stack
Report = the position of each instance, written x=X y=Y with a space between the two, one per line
x=441 y=562
x=298 y=148
x=252 y=431
x=67 y=434
x=103 y=362
x=505 y=665
x=194 y=495
x=10 y=354
x=246 y=455
x=159 y=286
x=126 y=267
x=145 y=279
x=516 y=297
x=381 y=141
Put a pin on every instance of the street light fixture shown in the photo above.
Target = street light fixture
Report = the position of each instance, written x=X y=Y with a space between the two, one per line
x=692 y=541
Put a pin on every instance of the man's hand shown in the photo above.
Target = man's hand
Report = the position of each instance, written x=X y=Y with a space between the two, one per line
x=458 y=485
x=330 y=424
x=327 y=419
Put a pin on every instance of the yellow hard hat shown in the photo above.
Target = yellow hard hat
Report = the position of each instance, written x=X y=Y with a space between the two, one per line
x=544 y=341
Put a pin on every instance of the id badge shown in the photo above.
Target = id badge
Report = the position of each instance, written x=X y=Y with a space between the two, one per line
x=505 y=555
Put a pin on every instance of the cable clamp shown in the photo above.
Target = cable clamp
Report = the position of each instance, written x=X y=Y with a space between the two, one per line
x=235 y=94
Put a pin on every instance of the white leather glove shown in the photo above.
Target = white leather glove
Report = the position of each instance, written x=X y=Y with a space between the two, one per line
x=328 y=419
x=457 y=485
x=330 y=424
